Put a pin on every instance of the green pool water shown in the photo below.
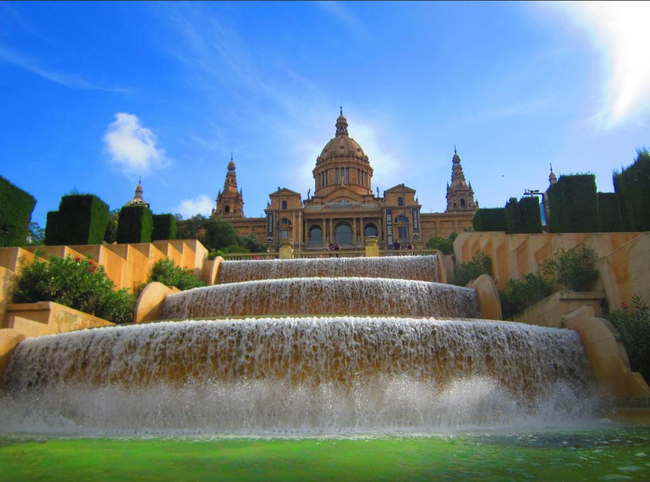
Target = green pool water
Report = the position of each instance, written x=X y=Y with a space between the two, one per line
x=608 y=454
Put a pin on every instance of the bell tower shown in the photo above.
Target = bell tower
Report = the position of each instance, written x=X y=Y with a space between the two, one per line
x=230 y=202
x=460 y=195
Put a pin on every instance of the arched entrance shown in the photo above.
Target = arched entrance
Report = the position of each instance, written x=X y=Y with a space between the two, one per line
x=402 y=223
x=343 y=234
x=315 y=236
x=370 y=230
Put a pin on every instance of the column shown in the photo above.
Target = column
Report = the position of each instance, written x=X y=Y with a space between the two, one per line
x=363 y=232
x=354 y=231
x=323 y=233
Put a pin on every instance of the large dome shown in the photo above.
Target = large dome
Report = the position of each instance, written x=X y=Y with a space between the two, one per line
x=342 y=163
x=342 y=146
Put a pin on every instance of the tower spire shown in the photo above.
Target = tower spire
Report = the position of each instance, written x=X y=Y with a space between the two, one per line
x=552 y=178
x=341 y=124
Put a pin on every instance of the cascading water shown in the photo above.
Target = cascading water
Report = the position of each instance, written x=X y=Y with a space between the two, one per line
x=375 y=361
x=296 y=375
x=331 y=296
x=419 y=268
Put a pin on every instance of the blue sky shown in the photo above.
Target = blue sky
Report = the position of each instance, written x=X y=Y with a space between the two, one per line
x=93 y=95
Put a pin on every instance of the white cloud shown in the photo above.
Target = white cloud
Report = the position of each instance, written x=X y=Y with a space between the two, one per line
x=202 y=204
x=68 y=80
x=620 y=31
x=133 y=146
x=341 y=12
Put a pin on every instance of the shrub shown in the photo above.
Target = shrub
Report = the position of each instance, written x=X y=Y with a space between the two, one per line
x=440 y=243
x=191 y=228
x=633 y=325
x=252 y=244
x=522 y=293
x=166 y=272
x=36 y=235
x=235 y=248
x=16 y=208
x=574 y=204
x=573 y=268
x=218 y=234
x=609 y=218
x=492 y=219
x=77 y=283
x=632 y=186
x=523 y=216
x=135 y=225
x=164 y=227
x=81 y=219
x=110 y=235
x=466 y=272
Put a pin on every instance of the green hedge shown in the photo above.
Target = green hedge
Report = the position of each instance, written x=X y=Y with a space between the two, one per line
x=523 y=216
x=573 y=204
x=81 y=219
x=16 y=208
x=164 y=227
x=491 y=219
x=135 y=225
x=632 y=187
x=609 y=218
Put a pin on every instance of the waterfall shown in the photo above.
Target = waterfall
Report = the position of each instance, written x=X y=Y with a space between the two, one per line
x=296 y=375
x=419 y=268
x=320 y=296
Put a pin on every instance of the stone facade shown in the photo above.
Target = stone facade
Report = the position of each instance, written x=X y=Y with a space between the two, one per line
x=343 y=209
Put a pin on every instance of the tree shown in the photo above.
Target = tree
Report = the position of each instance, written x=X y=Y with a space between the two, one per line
x=446 y=245
x=35 y=235
x=191 y=228
x=253 y=244
x=219 y=234
x=110 y=236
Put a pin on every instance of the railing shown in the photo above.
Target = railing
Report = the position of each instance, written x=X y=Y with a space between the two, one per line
x=329 y=254
x=348 y=253
x=407 y=252
x=249 y=256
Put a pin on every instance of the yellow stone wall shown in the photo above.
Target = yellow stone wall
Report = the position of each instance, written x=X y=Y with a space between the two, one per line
x=623 y=259
x=443 y=224
x=549 y=311
x=48 y=318
x=28 y=320
x=625 y=272
x=127 y=265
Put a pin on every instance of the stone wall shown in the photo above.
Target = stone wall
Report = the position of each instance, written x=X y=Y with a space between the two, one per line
x=625 y=272
x=623 y=259
x=48 y=318
x=608 y=357
x=127 y=265
x=549 y=311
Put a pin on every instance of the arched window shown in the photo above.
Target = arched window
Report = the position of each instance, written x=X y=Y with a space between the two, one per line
x=402 y=228
x=370 y=230
x=315 y=236
x=227 y=209
x=285 y=228
x=343 y=234
x=462 y=203
x=400 y=201
x=284 y=205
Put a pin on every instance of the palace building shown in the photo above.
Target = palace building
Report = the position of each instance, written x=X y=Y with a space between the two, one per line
x=343 y=208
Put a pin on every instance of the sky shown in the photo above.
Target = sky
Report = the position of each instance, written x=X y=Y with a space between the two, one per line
x=95 y=95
